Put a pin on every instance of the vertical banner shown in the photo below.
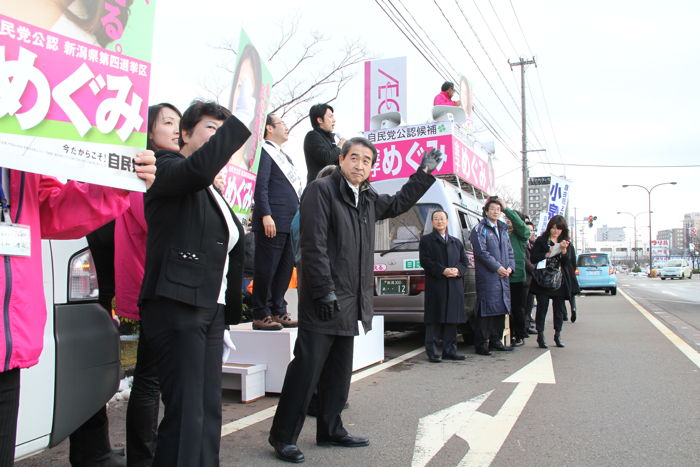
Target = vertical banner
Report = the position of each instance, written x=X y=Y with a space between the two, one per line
x=660 y=250
x=74 y=82
x=250 y=97
x=559 y=189
x=385 y=88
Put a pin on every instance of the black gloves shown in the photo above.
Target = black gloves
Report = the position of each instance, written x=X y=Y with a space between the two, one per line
x=431 y=160
x=326 y=307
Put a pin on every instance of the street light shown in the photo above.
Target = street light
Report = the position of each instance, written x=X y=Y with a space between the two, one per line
x=634 y=216
x=649 y=190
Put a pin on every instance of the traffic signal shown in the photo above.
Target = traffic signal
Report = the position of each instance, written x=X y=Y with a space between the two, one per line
x=591 y=219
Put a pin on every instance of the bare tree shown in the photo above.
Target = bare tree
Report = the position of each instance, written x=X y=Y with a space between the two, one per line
x=310 y=71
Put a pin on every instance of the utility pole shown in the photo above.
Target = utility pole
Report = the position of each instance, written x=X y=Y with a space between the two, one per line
x=522 y=63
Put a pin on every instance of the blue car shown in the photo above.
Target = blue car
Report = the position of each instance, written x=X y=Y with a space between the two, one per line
x=594 y=271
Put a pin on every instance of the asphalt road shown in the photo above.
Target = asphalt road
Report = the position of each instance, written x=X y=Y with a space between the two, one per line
x=621 y=393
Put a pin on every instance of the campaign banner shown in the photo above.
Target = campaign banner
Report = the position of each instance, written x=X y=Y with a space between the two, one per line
x=559 y=189
x=74 y=80
x=250 y=98
x=385 y=88
x=661 y=248
x=400 y=151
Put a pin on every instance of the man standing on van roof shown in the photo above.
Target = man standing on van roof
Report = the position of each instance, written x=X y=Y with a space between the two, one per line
x=320 y=149
x=338 y=213
x=445 y=96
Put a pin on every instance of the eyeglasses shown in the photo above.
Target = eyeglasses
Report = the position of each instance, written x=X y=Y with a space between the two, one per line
x=279 y=123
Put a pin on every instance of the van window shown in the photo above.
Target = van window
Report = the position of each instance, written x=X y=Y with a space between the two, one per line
x=592 y=260
x=404 y=232
x=674 y=264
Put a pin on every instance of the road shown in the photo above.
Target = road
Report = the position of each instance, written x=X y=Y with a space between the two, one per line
x=624 y=391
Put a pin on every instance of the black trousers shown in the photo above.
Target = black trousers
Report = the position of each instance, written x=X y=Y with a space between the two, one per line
x=437 y=331
x=518 y=300
x=90 y=440
x=558 y=307
x=488 y=329
x=322 y=361
x=274 y=261
x=9 y=409
x=528 y=308
x=188 y=343
x=142 y=410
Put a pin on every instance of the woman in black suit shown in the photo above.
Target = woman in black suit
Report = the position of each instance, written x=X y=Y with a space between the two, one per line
x=191 y=285
x=557 y=232
x=444 y=261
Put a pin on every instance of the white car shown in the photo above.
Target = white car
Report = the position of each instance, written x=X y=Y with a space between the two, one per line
x=676 y=268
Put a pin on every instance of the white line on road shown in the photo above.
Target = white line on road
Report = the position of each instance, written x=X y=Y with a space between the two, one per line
x=687 y=350
x=257 y=417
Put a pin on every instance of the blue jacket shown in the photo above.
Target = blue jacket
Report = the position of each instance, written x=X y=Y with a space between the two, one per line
x=492 y=251
x=274 y=196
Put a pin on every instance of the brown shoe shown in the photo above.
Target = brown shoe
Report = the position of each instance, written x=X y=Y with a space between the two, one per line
x=266 y=324
x=285 y=320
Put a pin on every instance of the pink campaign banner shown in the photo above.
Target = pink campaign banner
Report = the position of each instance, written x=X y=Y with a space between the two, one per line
x=61 y=79
x=400 y=151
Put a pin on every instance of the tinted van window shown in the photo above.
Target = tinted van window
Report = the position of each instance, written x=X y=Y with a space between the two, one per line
x=404 y=232
x=592 y=261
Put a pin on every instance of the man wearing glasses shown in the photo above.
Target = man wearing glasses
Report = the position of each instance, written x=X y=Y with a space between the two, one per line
x=277 y=192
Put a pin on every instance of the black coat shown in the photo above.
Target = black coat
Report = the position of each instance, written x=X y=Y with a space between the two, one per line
x=569 y=284
x=320 y=150
x=444 y=297
x=187 y=233
x=337 y=247
x=274 y=196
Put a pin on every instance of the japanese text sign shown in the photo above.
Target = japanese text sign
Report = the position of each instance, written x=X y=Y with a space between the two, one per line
x=400 y=151
x=74 y=98
x=385 y=88
x=558 y=200
x=249 y=101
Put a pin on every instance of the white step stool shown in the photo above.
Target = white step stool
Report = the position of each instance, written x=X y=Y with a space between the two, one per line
x=251 y=380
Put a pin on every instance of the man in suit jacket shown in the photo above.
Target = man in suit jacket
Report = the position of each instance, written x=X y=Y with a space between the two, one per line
x=320 y=149
x=277 y=191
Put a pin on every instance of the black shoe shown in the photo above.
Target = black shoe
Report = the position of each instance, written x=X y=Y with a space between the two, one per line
x=286 y=452
x=482 y=350
x=453 y=357
x=517 y=342
x=532 y=331
x=558 y=341
x=347 y=441
x=434 y=359
x=111 y=459
x=540 y=341
x=500 y=347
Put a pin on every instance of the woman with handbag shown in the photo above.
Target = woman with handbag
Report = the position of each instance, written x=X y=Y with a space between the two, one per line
x=553 y=256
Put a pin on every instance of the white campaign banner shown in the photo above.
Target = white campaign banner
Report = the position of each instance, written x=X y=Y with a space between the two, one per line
x=385 y=88
x=559 y=189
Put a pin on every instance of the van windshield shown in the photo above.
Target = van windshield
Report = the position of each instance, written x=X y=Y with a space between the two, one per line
x=592 y=261
x=673 y=264
x=404 y=232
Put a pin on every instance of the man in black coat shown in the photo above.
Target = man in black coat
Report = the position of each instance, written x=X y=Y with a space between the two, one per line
x=320 y=149
x=277 y=191
x=444 y=261
x=338 y=213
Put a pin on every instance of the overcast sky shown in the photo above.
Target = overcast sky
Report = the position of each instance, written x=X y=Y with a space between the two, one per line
x=616 y=82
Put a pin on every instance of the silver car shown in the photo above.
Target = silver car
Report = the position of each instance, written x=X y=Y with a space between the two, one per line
x=676 y=269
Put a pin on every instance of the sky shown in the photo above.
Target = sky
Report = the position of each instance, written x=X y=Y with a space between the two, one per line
x=616 y=83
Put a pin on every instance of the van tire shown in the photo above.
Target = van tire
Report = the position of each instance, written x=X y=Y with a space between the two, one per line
x=613 y=291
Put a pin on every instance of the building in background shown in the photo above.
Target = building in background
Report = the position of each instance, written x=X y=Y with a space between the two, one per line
x=676 y=240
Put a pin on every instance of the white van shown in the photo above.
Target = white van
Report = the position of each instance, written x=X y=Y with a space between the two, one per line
x=399 y=277
x=78 y=371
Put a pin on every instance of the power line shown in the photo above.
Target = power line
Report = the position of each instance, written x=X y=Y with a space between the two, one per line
x=515 y=51
x=475 y=63
x=626 y=166
x=521 y=28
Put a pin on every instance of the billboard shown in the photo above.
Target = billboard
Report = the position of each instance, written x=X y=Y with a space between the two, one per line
x=385 y=88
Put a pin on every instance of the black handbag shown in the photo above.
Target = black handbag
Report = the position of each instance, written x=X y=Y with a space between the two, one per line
x=549 y=277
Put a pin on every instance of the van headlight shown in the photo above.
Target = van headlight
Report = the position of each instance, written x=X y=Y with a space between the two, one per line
x=82 y=279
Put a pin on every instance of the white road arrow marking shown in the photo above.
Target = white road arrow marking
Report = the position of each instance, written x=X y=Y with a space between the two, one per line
x=484 y=433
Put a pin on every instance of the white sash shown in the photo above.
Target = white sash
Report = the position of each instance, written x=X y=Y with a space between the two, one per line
x=285 y=166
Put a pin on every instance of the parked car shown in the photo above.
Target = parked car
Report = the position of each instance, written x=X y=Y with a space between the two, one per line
x=676 y=269
x=399 y=277
x=78 y=371
x=594 y=271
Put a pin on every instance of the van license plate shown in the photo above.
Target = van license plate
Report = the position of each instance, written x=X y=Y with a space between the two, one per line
x=393 y=286
x=595 y=272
